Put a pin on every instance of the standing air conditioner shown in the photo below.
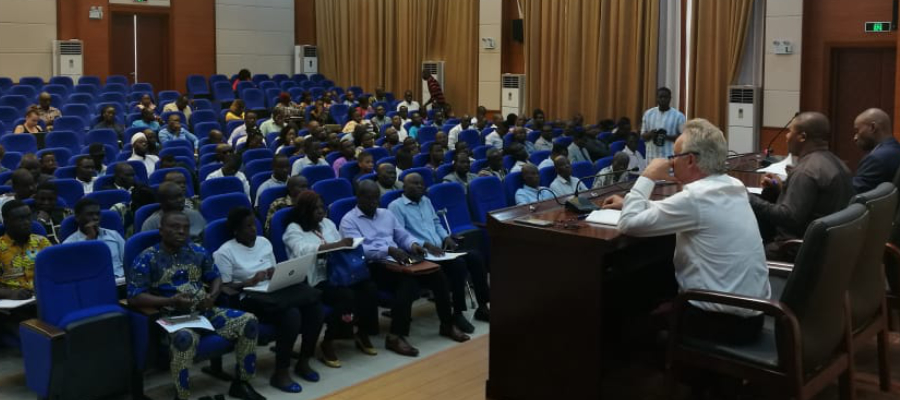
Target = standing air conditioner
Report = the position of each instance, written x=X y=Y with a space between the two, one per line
x=305 y=60
x=513 y=101
x=436 y=69
x=743 y=119
x=68 y=59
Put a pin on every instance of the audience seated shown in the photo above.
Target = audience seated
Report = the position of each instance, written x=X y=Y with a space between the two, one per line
x=139 y=146
x=386 y=177
x=874 y=135
x=97 y=151
x=31 y=124
x=87 y=216
x=48 y=164
x=179 y=179
x=348 y=153
x=108 y=121
x=380 y=119
x=123 y=178
x=148 y=120
x=172 y=276
x=182 y=104
x=545 y=141
x=239 y=135
x=281 y=168
x=408 y=102
x=235 y=111
x=146 y=103
x=519 y=154
x=461 y=171
x=46 y=211
x=531 y=190
x=18 y=248
x=232 y=167
x=312 y=156
x=353 y=306
x=385 y=238
x=818 y=185
x=141 y=195
x=175 y=131
x=578 y=150
x=46 y=112
x=274 y=124
x=295 y=185
x=635 y=158
x=565 y=183
x=85 y=173
x=23 y=187
x=171 y=199
x=616 y=172
x=717 y=249
x=245 y=261
x=558 y=149
x=417 y=215
x=31 y=163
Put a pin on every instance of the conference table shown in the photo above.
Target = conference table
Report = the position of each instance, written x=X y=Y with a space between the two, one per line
x=547 y=287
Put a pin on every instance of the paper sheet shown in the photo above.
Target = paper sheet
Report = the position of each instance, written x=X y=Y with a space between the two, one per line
x=604 y=217
x=447 y=256
x=356 y=243
x=755 y=190
x=779 y=168
x=120 y=281
x=7 y=304
x=174 y=324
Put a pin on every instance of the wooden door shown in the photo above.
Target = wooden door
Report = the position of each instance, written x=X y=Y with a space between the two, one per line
x=145 y=59
x=861 y=78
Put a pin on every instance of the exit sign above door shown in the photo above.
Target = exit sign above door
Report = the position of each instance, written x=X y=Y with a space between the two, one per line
x=877 y=27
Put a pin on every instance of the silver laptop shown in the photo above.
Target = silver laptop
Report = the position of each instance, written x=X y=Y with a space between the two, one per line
x=288 y=273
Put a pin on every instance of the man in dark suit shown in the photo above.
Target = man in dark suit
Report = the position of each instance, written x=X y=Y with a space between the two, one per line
x=873 y=134
x=123 y=178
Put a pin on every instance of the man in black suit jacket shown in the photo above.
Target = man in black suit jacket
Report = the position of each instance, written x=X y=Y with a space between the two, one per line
x=123 y=178
x=875 y=136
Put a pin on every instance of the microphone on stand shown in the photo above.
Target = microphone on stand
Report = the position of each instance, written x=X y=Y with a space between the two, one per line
x=768 y=149
x=582 y=205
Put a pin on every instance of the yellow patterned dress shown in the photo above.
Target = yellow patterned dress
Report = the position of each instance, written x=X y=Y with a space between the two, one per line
x=17 y=262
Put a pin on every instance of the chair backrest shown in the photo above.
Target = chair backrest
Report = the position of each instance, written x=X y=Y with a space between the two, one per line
x=108 y=198
x=196 y=84
x=20 y=143
x=442 y=171
x=159 y=176
x=267 y=197
x=207 y=169
x=451 y=196
x=485 y=195
x=349 y=170
x=223 y=185
x=69 y=190
x=66 y=139
x=136 y=244
x=538 y=156
x=17 y=101
x=105 y=136
x=583 y=169
x=72 y=277
x=222 y=91
x=61 y=154
x=276 y=232
x=141 y=215
x=217 y=206
x=256 y=154
x=316 y=173
x=548 y=174
x=616 y=146
x=426 y=173
x=511 y=183
x=867 y=283
x=108 y=219
x=340 y=207
x=389 y=196
x=815 y=290
x=332 y=190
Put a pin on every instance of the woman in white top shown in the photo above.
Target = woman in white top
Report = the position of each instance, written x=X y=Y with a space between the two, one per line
x=309 y=231
x=247 y=260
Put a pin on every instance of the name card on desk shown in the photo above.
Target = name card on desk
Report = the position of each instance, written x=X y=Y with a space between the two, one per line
x=604 y=217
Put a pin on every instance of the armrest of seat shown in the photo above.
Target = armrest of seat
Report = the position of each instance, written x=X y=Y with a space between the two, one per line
x=780 y=269
x=43 y=346
x=790 y=340
x=143 y=334
x=480 y=225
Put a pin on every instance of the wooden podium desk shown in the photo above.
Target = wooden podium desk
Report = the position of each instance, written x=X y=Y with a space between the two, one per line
x=546 y=302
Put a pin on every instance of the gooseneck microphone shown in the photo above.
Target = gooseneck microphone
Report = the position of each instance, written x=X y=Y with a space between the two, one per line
x=768 y=148
x=583 y=206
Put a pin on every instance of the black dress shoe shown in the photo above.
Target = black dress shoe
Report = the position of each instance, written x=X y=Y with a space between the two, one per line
x=244 y=391
x=450 y=331
x=483 y=314
x=398 y=345
x=462 y=323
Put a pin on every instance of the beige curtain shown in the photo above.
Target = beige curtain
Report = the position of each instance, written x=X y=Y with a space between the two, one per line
x=718 y=31
x=595 y=57
x=371 y=43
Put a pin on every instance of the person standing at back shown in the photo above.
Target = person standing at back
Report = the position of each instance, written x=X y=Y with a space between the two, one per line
x=435 y=91
x=661 y=125
x=873 y=134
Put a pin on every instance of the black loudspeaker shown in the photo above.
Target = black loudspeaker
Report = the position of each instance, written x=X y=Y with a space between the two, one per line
x=518 y=30
x=894 y=17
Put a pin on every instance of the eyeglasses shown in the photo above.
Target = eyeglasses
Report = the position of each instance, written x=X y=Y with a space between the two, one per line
x=674 y=156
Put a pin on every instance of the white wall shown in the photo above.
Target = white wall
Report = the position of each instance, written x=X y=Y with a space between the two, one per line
x=27 y=29
x=781 y=93
x=255 y=34
x=489 y=61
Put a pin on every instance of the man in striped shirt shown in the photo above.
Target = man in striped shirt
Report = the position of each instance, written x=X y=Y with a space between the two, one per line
x=661 y=125
x=434 y=89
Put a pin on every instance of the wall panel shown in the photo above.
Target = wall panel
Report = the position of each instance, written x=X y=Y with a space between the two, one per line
x=27 y=29
x=258 y=35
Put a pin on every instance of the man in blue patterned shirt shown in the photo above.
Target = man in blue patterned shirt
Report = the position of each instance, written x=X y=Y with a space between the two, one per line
x=171 y=276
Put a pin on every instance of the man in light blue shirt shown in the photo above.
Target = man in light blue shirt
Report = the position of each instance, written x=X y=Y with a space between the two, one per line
x=87 y=216
x=416 y=213
x=531 y=191
x=174 y=131
x=565 y=183
x=281 y=168
x=147 y=121
x=661 y=125
x=385 y=238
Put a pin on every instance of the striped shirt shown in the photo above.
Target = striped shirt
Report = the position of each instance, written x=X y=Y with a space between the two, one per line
x=671 y=120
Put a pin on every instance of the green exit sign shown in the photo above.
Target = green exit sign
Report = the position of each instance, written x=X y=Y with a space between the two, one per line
x=878 y=26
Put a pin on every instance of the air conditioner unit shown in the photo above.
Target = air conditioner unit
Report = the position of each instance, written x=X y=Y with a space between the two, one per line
x=306 y=60
x=743 y=119
x=68 y=58
x=436 y=69
x=513 y=92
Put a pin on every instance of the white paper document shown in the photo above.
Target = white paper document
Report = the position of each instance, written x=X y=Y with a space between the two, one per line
x=120 y=281
x=604 y=217
x=356 y=243
x=7 y=304
x=755 y=190
x=173 y=324
x=779 y=168
x=447 y=256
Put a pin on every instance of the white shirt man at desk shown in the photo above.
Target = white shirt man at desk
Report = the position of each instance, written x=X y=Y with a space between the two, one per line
x=717 y=245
